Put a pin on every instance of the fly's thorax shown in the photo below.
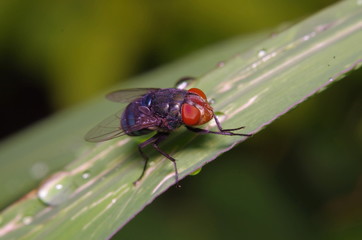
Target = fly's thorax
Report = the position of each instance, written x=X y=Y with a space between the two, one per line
x=166 y=103
x=166 y=106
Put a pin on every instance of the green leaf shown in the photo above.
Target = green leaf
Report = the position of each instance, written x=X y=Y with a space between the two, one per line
x=92 y=195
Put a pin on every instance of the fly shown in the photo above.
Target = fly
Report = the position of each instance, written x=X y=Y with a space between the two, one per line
x=158 y=109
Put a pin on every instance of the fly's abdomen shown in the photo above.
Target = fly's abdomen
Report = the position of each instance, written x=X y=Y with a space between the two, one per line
x=131 y=121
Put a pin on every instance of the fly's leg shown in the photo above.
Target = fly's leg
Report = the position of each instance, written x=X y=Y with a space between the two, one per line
x=155 y=140
x=155 y=145
x=230 y=129
x=140 y=146
x=227 y=132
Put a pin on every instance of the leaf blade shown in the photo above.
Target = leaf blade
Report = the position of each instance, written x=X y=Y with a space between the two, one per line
x=256 y=88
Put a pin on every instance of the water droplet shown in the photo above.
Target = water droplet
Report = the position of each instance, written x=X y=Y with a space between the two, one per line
x=114 y=200
x=254 y=65
x=261 y=53
x=218 y=113
x=57 y=189
x=306 y=37
x=39 y=170
x=184 y=82
x=197 y=171
x=321 y=28
x=220 y=64
x=211 y=101
x=85 y=175
x=330 y=79
x=309 y=36
x=27 y=220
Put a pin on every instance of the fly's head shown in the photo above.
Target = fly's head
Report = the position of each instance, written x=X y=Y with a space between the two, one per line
x=196 y=110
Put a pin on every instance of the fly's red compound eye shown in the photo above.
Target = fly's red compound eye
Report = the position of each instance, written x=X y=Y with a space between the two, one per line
x=190 y=114
x=198 y=92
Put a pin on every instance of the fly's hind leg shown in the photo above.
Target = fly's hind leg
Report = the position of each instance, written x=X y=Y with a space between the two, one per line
x=140 y=147
x=155 y=140
x=155 y=145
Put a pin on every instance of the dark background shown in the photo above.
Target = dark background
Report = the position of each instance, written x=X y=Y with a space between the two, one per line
x=301 y=178
x=56 y=54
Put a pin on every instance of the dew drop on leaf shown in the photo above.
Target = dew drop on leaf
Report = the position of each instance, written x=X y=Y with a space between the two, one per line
x=57 y=189
x=27 y=220
x=85 y=175
x=261 y=53
x=197 y=171
x=184 y=82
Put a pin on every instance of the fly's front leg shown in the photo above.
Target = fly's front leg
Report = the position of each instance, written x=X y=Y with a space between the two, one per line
x=227 y=132
x=230 y=129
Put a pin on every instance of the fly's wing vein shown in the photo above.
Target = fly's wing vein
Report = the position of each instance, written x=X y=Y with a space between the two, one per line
x=110 y=128
x=129 y=95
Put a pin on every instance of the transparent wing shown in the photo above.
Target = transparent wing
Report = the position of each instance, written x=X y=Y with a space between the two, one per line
x=110 y=128
x=107 y=129
x=128 y=95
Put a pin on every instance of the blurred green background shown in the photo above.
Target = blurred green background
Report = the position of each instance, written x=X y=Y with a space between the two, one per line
x=301 y=178
x=54 y=54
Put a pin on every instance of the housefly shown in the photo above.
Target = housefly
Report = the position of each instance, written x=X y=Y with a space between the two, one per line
x=161 y=110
